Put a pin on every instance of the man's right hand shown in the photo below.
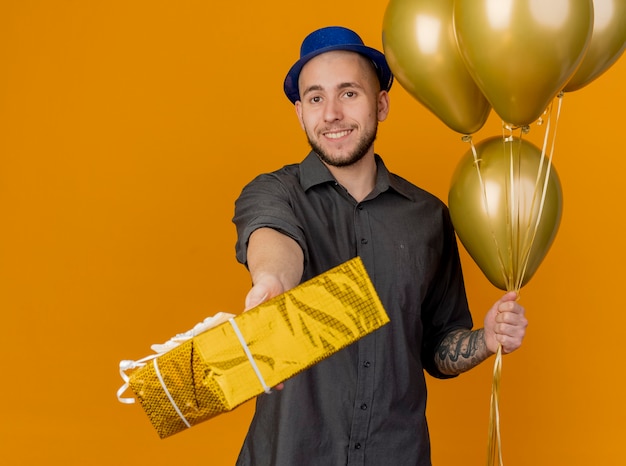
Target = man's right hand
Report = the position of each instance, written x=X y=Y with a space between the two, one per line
x=265 y=288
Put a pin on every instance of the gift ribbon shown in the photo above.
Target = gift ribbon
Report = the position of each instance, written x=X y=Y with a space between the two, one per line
x=266 y=389
x=127 y=365
x=167 y=392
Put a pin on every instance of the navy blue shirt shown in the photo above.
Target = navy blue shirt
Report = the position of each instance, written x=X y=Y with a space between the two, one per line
x=365 y=405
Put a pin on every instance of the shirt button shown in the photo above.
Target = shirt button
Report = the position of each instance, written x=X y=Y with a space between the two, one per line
x=363 y=241
x=363 y=406
x=357 y=446
x=367 y=364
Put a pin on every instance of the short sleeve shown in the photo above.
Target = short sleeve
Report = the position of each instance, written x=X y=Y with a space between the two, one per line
x=265 y=202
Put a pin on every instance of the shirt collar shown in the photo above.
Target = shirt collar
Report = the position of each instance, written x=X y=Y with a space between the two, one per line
x=314 y=172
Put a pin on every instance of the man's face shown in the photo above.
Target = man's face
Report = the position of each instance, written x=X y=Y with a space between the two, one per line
x=341 y=104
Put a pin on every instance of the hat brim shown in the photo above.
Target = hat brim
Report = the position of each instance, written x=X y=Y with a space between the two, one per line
x=385 y=76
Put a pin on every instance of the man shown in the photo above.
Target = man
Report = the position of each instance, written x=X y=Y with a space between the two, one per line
x=365 y=405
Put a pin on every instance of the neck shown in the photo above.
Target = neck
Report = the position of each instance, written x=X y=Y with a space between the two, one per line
x=359 y=178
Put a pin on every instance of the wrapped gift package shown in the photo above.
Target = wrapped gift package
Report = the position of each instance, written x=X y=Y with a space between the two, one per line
x=209 y=371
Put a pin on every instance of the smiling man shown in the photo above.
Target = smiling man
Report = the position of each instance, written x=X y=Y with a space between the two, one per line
x=340 y=117
x=366 y=404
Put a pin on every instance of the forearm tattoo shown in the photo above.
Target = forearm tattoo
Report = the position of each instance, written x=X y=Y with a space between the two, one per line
x=461 y=350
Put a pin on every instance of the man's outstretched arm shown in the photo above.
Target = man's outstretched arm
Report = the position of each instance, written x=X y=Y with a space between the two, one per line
x=276 y=264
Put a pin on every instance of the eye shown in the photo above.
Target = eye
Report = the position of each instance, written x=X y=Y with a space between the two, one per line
x=316 y=99
x=350 y=94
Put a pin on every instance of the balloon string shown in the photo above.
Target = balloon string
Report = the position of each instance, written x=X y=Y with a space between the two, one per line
x=494 y=444
x=514 y=183
x=530 y=232
x=509 y=197
x=512 y=212
x=544 y=190
x=483 y=188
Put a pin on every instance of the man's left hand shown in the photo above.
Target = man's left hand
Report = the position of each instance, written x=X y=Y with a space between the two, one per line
x=505 y=324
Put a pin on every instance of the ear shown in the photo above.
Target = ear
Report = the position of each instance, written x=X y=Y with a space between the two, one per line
x=298 y=106
x=383 y=105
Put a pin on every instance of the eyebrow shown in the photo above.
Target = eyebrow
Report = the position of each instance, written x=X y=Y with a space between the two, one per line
x=317 y=87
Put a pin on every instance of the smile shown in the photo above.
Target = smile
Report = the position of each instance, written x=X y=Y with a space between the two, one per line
x=337 y=134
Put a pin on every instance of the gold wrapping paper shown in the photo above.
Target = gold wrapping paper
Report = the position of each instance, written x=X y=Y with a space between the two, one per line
x=211 y=373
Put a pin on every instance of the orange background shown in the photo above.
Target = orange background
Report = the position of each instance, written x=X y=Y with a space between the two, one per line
x=127 y=129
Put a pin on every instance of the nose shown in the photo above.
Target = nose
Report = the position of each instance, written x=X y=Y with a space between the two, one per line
x=333 y=110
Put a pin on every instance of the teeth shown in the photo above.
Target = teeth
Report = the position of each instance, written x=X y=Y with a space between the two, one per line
x=337 y=135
